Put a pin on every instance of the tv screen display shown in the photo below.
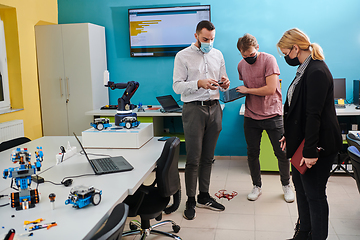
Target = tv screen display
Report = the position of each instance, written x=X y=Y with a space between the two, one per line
x=164 y=31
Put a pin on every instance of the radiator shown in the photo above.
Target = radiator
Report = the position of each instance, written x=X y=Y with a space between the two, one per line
x=11 y=129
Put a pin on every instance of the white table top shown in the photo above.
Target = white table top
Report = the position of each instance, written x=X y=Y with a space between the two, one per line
x=349 y=110
x=76 y=223
x=146 y=113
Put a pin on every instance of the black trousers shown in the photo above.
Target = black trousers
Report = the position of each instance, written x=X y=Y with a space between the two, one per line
x=313 y=208
x=253 y=131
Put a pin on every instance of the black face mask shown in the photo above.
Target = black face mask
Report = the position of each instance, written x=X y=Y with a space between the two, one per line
x=292 y=62
x=251 y=60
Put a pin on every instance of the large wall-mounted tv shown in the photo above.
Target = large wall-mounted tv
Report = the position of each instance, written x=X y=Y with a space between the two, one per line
x=164 y=31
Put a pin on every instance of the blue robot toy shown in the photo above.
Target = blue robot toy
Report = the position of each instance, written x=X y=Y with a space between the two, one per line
x=25 y=197
x=125 y=117
x=81 y=196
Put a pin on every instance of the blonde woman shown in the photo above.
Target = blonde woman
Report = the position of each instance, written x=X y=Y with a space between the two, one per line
x=309 y=113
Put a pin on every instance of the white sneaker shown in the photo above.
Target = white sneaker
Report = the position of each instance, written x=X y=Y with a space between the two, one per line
x=288 y=193
x=255 y=193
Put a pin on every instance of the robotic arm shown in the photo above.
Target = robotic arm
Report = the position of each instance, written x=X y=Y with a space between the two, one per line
x=124 y=117
x=124 y=102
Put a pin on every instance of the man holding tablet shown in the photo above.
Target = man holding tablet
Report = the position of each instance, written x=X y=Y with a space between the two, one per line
x=263 y=111
x=199 y=72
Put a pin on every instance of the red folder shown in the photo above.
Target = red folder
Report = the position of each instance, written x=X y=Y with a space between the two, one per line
x=296 y=158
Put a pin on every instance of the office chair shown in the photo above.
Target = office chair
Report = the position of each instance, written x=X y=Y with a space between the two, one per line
x=114 y=226
x=354 y=154
x=150 y=201
x=13 y=143
x=355 y=161
x=353 y=140
x=341 y=161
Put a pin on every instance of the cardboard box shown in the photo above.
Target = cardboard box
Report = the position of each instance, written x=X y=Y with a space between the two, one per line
x=118 y=137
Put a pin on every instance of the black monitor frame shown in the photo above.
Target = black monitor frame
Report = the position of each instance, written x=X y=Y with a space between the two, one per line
x=164 y=48
x=340 y=88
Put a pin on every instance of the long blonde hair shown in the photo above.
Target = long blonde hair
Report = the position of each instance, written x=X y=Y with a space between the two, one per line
x=296 y=36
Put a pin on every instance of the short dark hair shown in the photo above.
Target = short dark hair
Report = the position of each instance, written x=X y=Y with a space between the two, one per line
x=204 y=24
x=245 y=42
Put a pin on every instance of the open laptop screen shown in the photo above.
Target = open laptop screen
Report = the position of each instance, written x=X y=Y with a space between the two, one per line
x=168 y=102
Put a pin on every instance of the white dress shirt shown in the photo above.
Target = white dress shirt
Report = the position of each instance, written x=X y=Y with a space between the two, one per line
x=191 y=65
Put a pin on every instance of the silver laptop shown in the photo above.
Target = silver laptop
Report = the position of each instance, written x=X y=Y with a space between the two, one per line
x=169 y=104
x=231 y=95
x=107 y=164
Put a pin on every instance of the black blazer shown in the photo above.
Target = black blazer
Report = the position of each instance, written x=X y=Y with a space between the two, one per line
x=312 y=114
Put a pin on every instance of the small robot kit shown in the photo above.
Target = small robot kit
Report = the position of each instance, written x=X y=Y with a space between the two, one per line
x=81 y=196
x=101 y=123
x=25 y=197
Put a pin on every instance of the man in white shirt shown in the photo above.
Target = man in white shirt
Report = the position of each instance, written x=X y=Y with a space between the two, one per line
x=199 y=72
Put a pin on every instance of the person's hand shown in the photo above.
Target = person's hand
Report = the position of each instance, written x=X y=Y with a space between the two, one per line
x=309 y=162
x=208 y=84
x=225 y=82
x=242 y=89
x=282 y=143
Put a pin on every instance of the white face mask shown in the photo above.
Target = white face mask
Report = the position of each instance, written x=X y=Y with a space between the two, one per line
x=206 y=47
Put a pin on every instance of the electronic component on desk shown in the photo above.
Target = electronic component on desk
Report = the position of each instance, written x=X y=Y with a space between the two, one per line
x=101 y=123
x=168 y=104
x=81 y=196
x=106 y=107
x=65 y=153
x=340 y=106
x=37 y=179
x=339 y=92
x=52 y=200
x=25 y=197
x=124 y=111
x=163 y=138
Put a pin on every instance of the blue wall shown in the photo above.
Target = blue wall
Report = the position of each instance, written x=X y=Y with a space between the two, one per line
x=334 y=24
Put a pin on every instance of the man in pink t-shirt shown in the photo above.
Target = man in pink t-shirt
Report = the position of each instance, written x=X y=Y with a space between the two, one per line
x=263 y=111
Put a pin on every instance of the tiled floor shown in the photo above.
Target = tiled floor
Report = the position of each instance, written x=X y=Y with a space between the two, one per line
x=270 y=217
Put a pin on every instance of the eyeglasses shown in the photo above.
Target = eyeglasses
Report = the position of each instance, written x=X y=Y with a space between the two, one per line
x=290 y=51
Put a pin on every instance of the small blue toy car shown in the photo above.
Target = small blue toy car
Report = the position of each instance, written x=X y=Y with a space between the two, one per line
x=81 y=196
x=129 y=122
x=101 y=123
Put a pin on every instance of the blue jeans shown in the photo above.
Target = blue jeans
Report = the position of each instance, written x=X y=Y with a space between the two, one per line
x=313 y=208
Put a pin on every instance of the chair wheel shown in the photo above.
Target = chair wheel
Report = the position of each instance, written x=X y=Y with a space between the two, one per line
x=132 y=226
x=176 y=228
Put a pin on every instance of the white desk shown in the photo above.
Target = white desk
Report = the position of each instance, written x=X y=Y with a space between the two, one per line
x=76 y=223
x=268 y=161
x=349 y=110
x=147 y=113
x=156 y=115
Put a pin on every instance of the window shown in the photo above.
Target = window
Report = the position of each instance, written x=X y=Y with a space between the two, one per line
x=4 y=81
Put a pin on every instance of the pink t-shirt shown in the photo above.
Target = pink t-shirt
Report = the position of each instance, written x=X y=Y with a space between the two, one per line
x=254 y=76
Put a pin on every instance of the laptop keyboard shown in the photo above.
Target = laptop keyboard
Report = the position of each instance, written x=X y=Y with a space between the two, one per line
x=106 y=164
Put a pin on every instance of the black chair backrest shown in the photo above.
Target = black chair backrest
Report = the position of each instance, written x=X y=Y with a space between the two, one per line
x=13 y=143
x=115 y=224
x=167 y=172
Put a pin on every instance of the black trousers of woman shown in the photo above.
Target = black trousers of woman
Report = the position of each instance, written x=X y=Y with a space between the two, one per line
x=313 y=208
